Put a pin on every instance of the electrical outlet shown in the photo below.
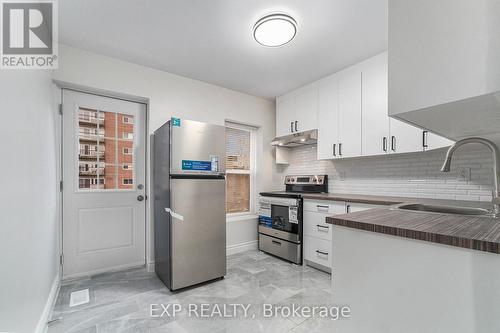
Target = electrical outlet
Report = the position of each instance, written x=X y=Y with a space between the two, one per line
x=464 y=174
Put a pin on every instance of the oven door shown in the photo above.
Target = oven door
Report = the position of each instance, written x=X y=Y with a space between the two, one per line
x=284 y=218
x=280 y=217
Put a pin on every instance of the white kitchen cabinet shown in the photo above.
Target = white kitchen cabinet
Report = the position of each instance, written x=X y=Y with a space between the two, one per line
x=445 y=66
x=349 y=126
x=297 y=112
x=352 y=207
x=318 y=233
x=404 y=138
x=375 y=119
x=381 y=134
x=285 y=115
x=328 y=116
x=306 y=110
x=434 y=141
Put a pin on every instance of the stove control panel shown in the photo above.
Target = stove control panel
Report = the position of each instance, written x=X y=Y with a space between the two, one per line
x=305 y=180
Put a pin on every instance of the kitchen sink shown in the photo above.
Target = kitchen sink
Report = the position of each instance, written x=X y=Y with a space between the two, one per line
x=444 y=209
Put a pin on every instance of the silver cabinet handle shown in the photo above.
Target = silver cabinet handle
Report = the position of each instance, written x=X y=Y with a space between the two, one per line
x=393 y=143
x=340 y=149
x=348 y=209
x=276 y=242
x=334 y=149
x=322 y=208
x=322 y=227
x=296 y=130
x=384 y=144
x=291 y=126
x=321 y=252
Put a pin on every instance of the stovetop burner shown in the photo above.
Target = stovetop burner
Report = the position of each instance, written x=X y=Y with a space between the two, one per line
x=296 y=186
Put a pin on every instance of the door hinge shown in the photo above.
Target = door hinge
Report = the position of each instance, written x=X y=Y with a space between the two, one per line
x=60 y=109
x=61 y=259
x=61 y=186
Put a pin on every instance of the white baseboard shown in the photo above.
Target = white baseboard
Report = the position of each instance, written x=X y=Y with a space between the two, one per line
x=242 y=247
x=49 y=306
x=104 y=270
x=232 y=249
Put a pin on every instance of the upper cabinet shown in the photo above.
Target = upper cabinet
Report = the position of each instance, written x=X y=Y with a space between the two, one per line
x=350 y=111
x=444 y=65
x=297 y=111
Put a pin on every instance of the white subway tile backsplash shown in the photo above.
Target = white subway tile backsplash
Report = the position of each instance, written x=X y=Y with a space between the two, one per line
x=412 y=175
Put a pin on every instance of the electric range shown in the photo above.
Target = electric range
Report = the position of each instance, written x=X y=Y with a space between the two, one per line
x=280 y=216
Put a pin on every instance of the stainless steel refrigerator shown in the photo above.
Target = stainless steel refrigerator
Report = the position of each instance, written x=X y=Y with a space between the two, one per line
x=189 y=202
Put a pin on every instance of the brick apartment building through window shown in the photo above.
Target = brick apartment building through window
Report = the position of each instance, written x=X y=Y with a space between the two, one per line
x=105 y=150
x=239 y=168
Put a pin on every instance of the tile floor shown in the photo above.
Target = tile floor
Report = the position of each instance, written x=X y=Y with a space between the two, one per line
x=120 y=301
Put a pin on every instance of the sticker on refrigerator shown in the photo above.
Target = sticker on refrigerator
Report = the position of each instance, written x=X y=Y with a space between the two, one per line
x=196 y=165
x=214 y=159
x=176 y=122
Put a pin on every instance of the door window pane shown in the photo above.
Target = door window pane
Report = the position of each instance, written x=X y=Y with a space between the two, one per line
x=105 y=145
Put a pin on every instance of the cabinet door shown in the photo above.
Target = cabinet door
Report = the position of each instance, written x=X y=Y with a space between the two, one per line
x=375 y=120
x=434 y=141
x=328 y=113
x=404 y=138
x=306 y=110
x=285 y=115
x=350 y=113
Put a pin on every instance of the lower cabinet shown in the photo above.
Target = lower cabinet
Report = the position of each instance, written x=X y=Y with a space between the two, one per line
x=318 y=234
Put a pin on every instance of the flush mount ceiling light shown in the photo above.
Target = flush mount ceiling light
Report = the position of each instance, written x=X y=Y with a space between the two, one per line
x=275 y=30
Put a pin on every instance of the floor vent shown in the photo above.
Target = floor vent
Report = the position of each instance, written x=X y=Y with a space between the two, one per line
x=79 y=297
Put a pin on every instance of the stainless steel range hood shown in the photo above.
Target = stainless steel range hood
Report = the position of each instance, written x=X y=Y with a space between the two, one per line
x=296 y=139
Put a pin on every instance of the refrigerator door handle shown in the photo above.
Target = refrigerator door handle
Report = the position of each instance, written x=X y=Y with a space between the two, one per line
x=174 y=214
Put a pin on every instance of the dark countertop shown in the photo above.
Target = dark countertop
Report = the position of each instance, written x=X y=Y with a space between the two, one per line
x=471 y=232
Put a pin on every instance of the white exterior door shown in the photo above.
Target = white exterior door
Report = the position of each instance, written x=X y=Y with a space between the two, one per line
x=104 y=142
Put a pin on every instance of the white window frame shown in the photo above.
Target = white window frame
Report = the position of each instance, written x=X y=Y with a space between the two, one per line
x=130 y=151
x=124 y=179
x=128 y=166
x=252 y=172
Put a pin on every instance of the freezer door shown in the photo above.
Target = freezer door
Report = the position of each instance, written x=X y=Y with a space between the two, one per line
x=198 y=230
x=198 y=143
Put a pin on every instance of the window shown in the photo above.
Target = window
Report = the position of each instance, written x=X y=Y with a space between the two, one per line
x=240 y=161
x=106 y=144
x=128 y=120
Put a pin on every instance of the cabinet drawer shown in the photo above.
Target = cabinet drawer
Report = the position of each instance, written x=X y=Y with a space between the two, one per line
x=325 y=206
x=318 y=251
x=316 y=226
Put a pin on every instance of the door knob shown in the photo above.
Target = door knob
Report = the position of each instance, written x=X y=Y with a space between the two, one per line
x=140 y=198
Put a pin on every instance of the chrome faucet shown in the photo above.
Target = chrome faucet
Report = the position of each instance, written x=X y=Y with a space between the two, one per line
x=496 y=166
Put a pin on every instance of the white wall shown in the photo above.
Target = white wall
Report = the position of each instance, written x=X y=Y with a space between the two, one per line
x=408 y=175
x=171 y=95
x=28 y=228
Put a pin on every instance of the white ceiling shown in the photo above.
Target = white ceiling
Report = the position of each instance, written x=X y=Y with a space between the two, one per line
x=211 y=40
